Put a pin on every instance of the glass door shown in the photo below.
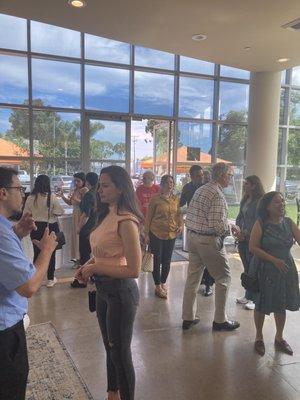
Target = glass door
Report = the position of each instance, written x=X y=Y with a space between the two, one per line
x=107 y=143
x=151 y=147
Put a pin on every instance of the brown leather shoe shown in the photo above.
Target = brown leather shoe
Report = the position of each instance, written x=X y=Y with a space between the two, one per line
x=259 y=347
x=284 y=347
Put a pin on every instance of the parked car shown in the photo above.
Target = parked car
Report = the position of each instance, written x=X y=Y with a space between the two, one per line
x=24 y=179
x=61 y=183
x=290 y=189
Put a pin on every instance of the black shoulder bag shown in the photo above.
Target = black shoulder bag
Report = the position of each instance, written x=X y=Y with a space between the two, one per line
x=60 y=236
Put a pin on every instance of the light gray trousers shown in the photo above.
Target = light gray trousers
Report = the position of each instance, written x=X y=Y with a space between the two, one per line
x=209 y=252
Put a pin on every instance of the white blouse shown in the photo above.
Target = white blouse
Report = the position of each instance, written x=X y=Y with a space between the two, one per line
x=39 y=209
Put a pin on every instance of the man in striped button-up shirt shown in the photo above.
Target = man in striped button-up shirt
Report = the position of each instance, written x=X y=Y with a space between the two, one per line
x=207 y=225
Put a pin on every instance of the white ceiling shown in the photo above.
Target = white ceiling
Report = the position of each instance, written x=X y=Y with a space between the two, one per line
x=169 y=25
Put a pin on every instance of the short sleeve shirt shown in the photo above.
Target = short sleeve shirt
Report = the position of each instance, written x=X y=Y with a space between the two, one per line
x=15 y=270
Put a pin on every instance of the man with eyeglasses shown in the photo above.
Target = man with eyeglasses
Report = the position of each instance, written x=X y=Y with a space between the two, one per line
x=207 y=225
x=19 y=280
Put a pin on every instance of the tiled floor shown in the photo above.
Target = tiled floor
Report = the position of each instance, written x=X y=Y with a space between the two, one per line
x=172 y=364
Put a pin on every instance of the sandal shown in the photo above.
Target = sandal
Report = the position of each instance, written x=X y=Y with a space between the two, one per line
x=160 y=293
x=283 y=346
x=259 y=347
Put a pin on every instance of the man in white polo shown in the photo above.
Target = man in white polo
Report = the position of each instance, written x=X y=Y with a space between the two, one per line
x=207 y=225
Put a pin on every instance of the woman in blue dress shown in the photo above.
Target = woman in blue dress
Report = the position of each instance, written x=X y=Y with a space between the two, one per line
x=271 y=239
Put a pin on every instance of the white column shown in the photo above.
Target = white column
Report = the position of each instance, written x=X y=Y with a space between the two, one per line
x=263 y=121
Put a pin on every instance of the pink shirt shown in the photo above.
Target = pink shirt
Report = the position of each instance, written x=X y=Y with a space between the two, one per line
x=105 y=240
x=144 y=195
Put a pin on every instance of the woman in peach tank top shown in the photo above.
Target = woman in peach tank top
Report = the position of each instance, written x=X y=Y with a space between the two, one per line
x=115 y=264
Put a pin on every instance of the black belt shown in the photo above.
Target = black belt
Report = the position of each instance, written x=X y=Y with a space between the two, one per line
x=11 y=328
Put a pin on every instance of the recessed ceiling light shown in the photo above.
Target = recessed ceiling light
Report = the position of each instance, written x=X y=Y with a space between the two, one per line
x=77 y=3
x=199 y=36
x=247 y=48
x=283 y=60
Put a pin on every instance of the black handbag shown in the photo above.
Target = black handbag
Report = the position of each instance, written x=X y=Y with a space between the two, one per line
x=92 y=300
x=249 y=282
x=60 y=236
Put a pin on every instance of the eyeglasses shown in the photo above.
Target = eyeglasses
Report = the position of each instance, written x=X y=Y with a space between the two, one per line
x=22 y=189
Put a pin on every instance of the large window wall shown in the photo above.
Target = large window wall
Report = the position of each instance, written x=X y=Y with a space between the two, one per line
x=288 y=170
x=58 y=96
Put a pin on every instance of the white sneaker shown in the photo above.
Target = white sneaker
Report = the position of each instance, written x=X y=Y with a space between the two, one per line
x=51 y=282
x=250 y=305
x=242 y=300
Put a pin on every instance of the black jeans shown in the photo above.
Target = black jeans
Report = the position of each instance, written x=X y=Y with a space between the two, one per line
x=84 y=247
x=162 y=253
x=41 y=226
x=117 y=301
x=13 y=363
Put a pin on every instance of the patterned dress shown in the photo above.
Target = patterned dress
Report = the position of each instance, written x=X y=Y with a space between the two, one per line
x=278 y=291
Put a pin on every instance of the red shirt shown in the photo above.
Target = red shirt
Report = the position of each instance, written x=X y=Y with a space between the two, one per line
x=144 y=195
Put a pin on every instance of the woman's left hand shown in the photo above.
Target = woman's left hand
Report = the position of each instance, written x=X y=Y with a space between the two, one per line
x=179 y=230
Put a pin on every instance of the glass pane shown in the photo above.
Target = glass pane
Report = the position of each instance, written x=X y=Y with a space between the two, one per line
x=96 y=166
x=106 y=89
x=232 y=144
x=153 y=94
x=153 y=58
x=231 y=72
x=234 y=101
x=295 y=107
x=234 y=191
x=193 y=147
x=296 y=76
x=21 y=165
x=188 y=64
x=56 y=135
x=13 y=79
x=293 y=158
x=283 y=92
x=52 y=39
x=196 y=98
x=13 y=32
x=141 y=146
x=64 y=90
x=149 y=148
x=292 y=188
x=107 y=140
x=102 y=49
x=280 y=156
x=14 y=132
x=60 y=171
x=283 y=77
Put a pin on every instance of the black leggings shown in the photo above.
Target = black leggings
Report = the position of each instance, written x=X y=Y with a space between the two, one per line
x=162 y=254
x=117 y=301
x=41 y=226
x=84 y=248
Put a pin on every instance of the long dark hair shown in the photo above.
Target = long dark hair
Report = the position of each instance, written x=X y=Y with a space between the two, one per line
x=127 y=200
x=265 y=201
x=42 y=186
x=258 y=189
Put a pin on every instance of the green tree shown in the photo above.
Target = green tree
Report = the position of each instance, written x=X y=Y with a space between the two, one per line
x=159 y=131
x=232 y=138
x=120 y=149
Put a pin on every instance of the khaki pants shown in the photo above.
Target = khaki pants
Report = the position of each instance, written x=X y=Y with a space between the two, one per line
x=209 y=252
